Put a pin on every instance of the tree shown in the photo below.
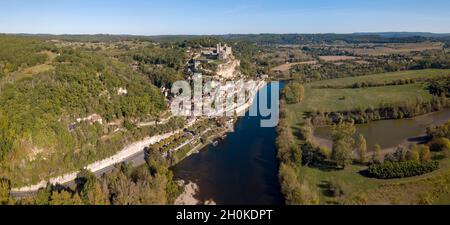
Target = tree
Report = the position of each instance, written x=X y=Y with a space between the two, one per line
x=91 y=191
x=65 y=198
x=376 y=157
x=440 y=144
x=344 y=131
x=342 y=153
x=5 y=189
x=295 y=191
x=413 y=155
x=361 y=148
x=293 y=93
x=343 y=143
x=97 y=194
x=425 y=154
x=43 y=196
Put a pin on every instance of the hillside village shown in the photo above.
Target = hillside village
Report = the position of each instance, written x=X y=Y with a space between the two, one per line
x=174 y=137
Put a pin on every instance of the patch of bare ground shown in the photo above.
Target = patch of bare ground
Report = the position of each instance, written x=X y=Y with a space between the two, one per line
x=397 y=48
x=336 y=58
x=286 y=67
x=188 y=197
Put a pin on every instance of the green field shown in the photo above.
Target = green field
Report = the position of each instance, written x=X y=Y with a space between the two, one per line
x=385 y=77
x=332 y=100
x=362 y=190
x=328 y=100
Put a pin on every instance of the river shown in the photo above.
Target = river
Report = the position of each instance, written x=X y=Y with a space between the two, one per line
x=241 y=170
x=391 y=133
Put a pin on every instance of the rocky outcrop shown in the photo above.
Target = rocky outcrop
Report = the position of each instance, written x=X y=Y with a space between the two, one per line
x=229 y=70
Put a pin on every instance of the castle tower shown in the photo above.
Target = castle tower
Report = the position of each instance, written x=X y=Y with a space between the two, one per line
x=219 y=48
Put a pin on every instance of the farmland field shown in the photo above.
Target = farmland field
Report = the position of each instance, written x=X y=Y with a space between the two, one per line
x=385 y=77
x=332 y=100
x=286 y=67
x=348 y=99
x=399 y=48
x=335 y=58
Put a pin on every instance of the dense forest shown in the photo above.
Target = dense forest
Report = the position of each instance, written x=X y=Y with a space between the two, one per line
x=39 y=111
x=303 y=39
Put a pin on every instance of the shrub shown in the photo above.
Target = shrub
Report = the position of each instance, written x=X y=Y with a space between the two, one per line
x=440 y=144
x=390 y=170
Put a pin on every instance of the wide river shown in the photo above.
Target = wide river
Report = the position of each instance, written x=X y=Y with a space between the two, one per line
x=241 y=170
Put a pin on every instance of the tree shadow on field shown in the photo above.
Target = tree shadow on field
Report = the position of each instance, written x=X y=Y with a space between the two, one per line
x=325 y=187
x=326 y=167
x=365 y=173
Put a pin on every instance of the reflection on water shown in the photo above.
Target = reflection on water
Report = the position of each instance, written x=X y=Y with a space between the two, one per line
x=241 y=170
x=390 y=133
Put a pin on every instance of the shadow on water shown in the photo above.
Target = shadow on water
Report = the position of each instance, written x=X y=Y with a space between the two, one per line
x=241 y=170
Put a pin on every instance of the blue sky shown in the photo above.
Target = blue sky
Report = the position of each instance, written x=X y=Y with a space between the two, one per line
x=152 y=17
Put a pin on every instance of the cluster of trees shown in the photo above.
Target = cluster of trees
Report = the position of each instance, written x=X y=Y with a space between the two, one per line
x=20 y=52
x=416 y=160
x=417 y=153
x=200 y=42
x=391 y=170
x=163 y=66
x=294 y=189
x=432 y=59
x=151 y=184
x=383 y=112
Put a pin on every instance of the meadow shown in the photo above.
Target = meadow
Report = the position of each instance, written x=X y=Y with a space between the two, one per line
x=385 y=77
x=335 y=99
x=359 y=189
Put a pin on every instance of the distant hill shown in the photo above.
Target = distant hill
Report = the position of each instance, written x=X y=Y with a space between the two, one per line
x=267 y=39
x=408 y=34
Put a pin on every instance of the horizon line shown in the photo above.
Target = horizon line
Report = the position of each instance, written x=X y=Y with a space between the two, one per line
x=224 y=34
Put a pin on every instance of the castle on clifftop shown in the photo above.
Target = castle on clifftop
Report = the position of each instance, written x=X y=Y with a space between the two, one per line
x=221 y=52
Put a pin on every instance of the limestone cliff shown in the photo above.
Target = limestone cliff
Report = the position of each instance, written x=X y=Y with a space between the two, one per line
x=229 y=70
